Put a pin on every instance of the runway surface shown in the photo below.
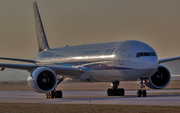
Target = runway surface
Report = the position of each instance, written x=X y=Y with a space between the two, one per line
x=154 y=97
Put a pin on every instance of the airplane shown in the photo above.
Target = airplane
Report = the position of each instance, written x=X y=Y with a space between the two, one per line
x=113 y=62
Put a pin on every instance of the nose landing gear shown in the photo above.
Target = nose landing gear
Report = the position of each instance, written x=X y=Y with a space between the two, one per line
x=141 y=92
x=115 y=91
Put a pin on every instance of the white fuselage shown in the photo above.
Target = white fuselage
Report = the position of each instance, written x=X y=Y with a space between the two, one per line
x=115 y=61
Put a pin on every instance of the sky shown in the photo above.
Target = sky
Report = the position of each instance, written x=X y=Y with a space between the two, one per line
x=77 y=22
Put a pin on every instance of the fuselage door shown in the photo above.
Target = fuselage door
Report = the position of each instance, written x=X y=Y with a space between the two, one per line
x=121 y=57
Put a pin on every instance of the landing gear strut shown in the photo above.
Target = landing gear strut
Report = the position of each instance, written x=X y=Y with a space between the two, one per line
x=56 y=93
x=141 y=92
x=115 y=91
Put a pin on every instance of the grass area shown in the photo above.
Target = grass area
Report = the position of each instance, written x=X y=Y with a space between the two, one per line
x=84 y=108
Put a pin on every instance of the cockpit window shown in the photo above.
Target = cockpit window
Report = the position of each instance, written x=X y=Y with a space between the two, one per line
x=153 y=54
x=145 y=54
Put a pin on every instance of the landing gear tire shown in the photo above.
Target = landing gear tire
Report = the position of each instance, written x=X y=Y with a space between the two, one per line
x=58 y=94
x=109 y=92
x=115 y=92
x=47 y=95
x=139 y=93
x=51 y=94
x=121 y=92
x=144 y=93
x=54 y=94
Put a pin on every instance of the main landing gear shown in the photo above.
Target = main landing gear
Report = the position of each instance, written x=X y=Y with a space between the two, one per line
x=141 y=92
x=115 y=91
x=56 y=93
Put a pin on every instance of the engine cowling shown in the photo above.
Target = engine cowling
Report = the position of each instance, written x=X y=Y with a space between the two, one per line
x=42 y=80
x=160 y=79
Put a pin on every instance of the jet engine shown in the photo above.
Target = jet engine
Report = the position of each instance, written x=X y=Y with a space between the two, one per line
x=160 y=79
x=42 y=80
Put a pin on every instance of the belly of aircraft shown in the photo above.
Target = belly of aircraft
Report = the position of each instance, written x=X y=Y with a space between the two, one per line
x=115 y=75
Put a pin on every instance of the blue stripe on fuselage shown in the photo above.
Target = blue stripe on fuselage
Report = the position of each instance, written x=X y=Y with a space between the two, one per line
x=92 y=66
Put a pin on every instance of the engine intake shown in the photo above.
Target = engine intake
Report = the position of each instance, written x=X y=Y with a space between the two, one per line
x=42 y=80
x=160 y=79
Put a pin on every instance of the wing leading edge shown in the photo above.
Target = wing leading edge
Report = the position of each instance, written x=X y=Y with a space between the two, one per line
x=61 y=70
x=168 y=59
x=17 y=59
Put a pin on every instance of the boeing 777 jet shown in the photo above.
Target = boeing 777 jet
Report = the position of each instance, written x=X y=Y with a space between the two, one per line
x=104 y=62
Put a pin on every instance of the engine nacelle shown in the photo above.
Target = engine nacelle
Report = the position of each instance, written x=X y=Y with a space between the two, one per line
x=42 y=80
x=160 y=79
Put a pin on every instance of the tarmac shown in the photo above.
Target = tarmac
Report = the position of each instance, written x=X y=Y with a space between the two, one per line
x=154 y=97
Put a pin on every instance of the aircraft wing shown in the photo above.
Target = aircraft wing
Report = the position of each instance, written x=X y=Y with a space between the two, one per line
x=19 y=66
x=17 y=59
x=66 y=70
x=168 y=59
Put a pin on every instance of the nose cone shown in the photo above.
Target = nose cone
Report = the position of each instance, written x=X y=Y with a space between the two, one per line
x=144 y=57
x=145 y=53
